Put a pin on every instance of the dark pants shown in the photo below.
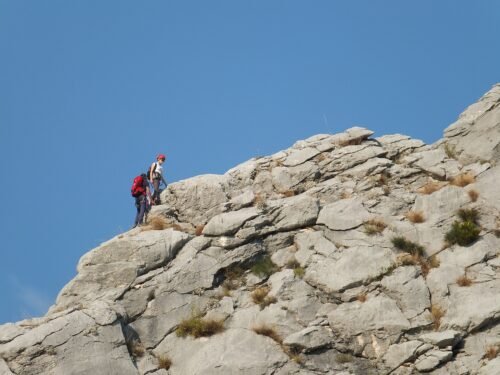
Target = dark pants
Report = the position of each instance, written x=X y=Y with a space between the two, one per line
x=141 y=203
x=156 y=187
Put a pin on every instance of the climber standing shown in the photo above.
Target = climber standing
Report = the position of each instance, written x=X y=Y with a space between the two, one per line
x=155 y=175
x=140 y=191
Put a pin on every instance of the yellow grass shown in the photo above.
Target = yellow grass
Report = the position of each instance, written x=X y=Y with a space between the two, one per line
x=463 y=179
x=415 y=216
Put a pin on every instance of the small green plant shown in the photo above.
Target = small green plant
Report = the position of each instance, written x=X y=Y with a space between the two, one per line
x=343 y=358
x=199 y=327
x=403 y=244
x=264 y=267
x=469 y=214
x=164 y=362
x=374 y=226
x=450 y=151
x=298 y=270
x=463 y=233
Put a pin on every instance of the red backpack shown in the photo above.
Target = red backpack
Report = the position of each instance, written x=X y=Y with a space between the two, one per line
x=138 y=187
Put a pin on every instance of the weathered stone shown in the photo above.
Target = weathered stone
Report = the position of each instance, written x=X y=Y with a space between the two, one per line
x=197 y=199
x=378 y=313
x=297 y=157
x=433 y=359
x=442 y=339
x=401 y=353
x=354 y=266
x=235 y=351
x=476 y=135
x=344 y=214
x=295 y=212
x=228 y=223
x=470 y=308
x=309 y=338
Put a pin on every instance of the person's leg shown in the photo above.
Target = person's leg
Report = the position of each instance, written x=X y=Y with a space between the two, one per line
x=138 y=210
x=141 y=210
x=156 y=187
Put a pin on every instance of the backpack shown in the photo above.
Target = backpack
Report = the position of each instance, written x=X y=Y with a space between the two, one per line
x=137 y=186
x=149 y=171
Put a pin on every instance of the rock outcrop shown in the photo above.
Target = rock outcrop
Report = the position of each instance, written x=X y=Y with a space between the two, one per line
x=331 y=257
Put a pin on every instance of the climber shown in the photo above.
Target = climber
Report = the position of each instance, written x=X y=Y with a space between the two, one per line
x=141 y=193
x=155 y=175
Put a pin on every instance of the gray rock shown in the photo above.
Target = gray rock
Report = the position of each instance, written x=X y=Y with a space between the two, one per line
x=309 y=338
x=378 y=313
x=297 y=157
x=235 y=351
x=442 y=339
x=295 y=212
x=401 y=353
x=491 y=368
x=476 y=135
x=197 y=199
x=228 y=223
x=355 y=266
x=433 y=359
x=4 y=369
x=470 y=308
x=344 y=214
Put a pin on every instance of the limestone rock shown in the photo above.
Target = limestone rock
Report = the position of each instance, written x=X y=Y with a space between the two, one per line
x=340 y=299
x=344 y=214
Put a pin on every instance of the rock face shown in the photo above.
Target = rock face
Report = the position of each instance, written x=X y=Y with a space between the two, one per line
x=286 y=265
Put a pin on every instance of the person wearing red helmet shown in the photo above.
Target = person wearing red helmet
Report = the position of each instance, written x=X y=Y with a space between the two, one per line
x=155 y=175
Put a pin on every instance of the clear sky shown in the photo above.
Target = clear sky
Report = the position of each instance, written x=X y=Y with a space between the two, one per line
x=91 y=91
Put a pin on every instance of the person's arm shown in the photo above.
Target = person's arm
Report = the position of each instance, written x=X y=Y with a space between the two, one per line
x=152 y=172
x=164 y=182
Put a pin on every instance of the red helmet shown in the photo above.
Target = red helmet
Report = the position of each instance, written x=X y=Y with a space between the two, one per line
x=160 y=156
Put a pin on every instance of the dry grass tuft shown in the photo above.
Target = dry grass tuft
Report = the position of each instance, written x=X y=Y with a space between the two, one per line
x=415 y=216
x=430 y=187
x=136 y=348
x=164 y=362
x=464 y=281
x=437 y=313
x=159 y=222
x=198 y=327
x=259 y=201
x=434 y=261
x=199 y=230
x=345 y=194
x=260 y=296
x=288 y=193
x=268 y=331
x=362 y=297
x=473 y=195
x=233 y=279
x=463 y=179
x=491 y=352
x=426 y=264
x=374 y=226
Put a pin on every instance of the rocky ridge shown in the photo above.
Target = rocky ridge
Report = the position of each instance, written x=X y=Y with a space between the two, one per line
x=295 y=255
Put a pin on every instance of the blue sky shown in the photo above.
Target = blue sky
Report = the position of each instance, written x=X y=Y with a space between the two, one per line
x=91 y=91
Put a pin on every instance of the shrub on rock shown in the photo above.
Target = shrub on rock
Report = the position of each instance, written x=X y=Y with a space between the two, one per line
x=463 y=233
